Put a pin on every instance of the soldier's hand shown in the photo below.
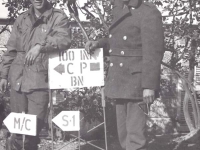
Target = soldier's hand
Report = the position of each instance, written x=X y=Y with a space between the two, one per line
x=32 y=54
x=90 y=46
x=3 y=85
x=148 y=96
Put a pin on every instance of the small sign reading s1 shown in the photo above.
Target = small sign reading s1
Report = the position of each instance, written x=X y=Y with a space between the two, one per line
x=68 y=120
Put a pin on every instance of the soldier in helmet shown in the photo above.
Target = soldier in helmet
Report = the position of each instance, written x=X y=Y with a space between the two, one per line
x=135 y=46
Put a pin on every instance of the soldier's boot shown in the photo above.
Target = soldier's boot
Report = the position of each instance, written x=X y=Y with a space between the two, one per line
x=31 y=142
x=15 y=142
x=12 y=143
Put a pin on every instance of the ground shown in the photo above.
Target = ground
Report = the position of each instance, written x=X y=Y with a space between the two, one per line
x=156 y=142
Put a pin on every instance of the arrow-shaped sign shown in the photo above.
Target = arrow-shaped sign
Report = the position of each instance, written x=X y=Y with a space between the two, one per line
x=60 y=69
x=21 y=123
x=68 y=120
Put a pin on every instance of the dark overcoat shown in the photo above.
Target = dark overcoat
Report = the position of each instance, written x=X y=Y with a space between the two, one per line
x=136 y=47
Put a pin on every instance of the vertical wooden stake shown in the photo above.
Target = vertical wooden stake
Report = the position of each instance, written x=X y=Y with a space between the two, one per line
x=51 y=113
x=23 y=138
x=104 y=116
x=79 y=140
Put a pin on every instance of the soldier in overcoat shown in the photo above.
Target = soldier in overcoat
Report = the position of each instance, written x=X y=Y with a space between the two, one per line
x=135 y=47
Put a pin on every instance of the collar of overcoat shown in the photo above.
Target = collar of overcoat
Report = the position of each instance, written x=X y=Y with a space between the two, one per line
x=123 y=10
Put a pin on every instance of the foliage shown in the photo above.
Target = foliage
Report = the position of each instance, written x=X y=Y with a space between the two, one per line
x=182 y=47
x=87 y=100
x=4 y=106
x=16 y=6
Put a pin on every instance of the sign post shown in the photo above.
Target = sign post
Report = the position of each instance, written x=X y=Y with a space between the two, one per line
x=75 y=68
x=68 y=120
x=51 y=115
x=104 y=115
x=20 y=123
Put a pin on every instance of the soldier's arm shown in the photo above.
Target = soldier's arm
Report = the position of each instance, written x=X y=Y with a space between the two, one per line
x=90 y=46
x=153 y=48
x=59 y=38
x=104 y=43
x=11 y=52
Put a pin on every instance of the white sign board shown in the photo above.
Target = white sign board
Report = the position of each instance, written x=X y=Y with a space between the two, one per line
x=21 y=123
x=75 y=68
x=68 y=120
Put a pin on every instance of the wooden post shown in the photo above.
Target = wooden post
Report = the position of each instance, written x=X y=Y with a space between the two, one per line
x=104 y=115
x=23 y=138
x=79 y=136
x=51 y=114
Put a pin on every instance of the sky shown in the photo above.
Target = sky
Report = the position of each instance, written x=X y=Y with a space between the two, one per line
x=3 y=10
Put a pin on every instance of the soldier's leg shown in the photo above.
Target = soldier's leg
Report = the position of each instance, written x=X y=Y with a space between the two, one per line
x=37 y=105
x=121 y=121
x=136 y=125
x=18 y=104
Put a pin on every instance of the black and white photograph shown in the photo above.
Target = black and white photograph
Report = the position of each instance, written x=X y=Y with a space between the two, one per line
x=99 y=75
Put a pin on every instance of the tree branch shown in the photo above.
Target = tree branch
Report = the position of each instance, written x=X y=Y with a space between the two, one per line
x=100 y=15
x=5 y=28
x=80 y=25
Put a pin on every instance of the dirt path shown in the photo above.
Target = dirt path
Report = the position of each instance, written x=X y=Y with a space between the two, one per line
x=156 y=143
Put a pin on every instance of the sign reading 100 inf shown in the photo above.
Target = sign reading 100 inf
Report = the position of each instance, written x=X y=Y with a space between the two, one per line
x=75 y=68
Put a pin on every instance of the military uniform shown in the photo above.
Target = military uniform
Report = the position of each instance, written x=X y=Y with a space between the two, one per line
x=29 y=84
x=135 y=46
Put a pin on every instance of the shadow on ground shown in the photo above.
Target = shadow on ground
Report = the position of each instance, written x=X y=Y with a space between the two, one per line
x=156 y=142
x=162 y=142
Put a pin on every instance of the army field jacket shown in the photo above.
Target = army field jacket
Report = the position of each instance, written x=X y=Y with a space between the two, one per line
x=51 y=31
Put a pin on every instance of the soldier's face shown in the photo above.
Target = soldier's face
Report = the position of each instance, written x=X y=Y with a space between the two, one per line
x=39 y=4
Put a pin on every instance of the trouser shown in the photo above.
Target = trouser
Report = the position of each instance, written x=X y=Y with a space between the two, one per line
x=35 y=103
x=131 y=124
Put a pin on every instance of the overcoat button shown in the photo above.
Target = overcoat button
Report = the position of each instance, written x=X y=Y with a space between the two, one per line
x=122 y=52
x=18 y=83
x=111 y=64
x=110 y=35
x=125 y=38
x=132 y=7
x=121 y=64
x=110 y=51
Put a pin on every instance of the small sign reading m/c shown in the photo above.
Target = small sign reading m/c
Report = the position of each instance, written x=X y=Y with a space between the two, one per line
x=21 y=123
